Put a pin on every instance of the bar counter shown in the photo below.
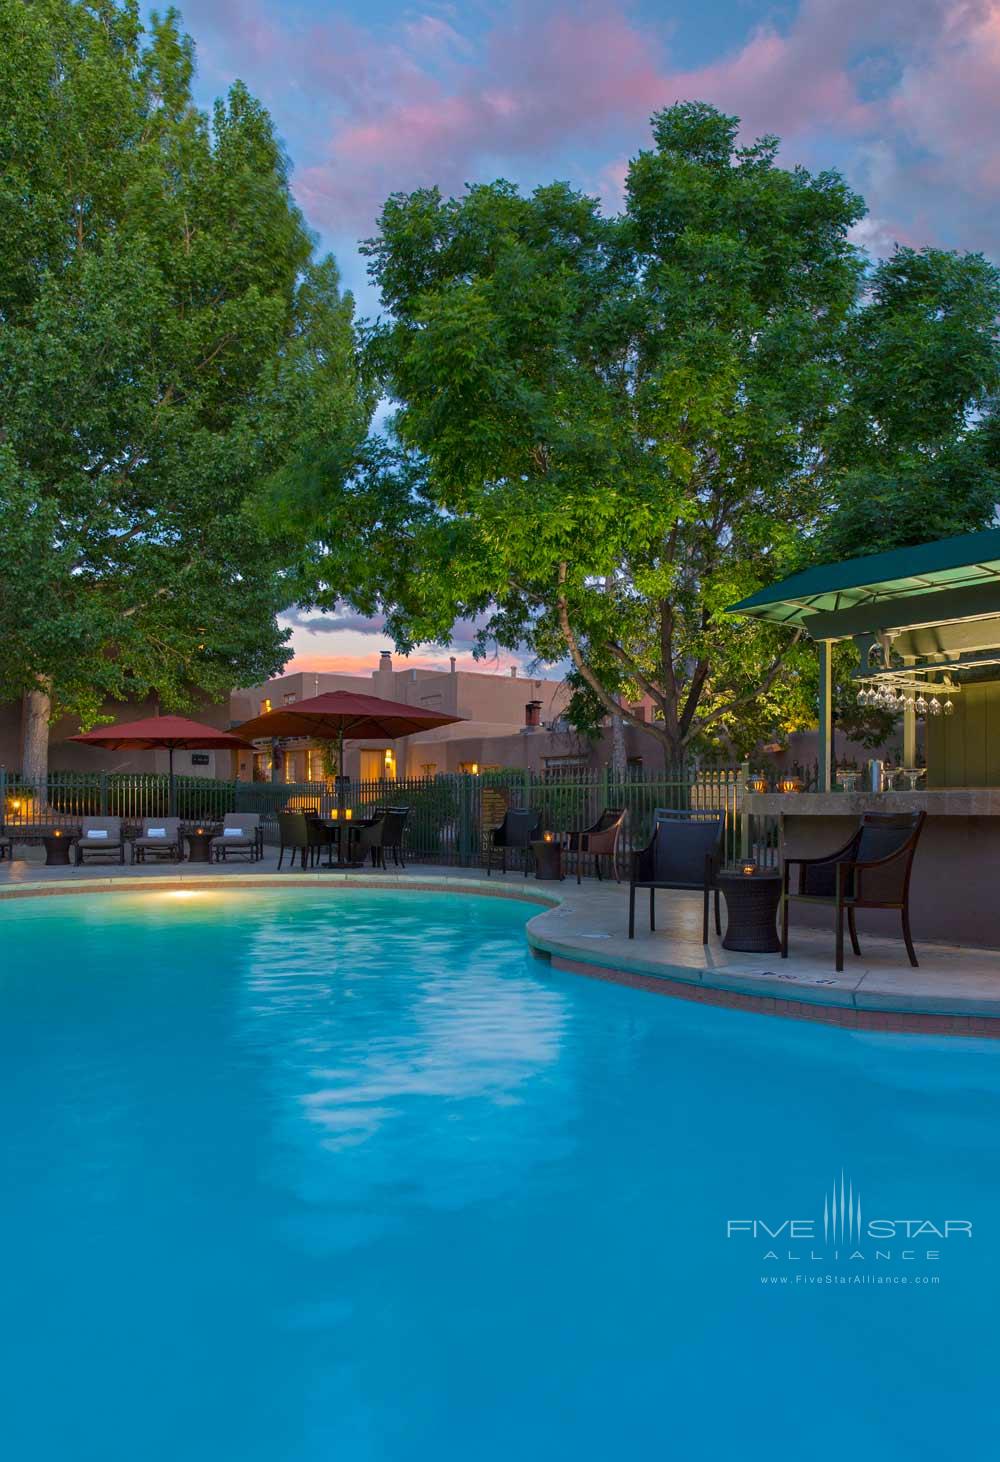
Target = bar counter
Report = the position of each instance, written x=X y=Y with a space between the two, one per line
x=955 y=888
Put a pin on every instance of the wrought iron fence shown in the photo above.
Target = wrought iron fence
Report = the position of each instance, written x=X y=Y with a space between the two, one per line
x=451 y=815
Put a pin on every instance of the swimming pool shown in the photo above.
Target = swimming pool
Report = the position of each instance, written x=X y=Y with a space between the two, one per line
x=297 y=1175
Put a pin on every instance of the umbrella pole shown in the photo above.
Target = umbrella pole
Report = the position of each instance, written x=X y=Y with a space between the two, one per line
x=345 y=831
x=172 y=797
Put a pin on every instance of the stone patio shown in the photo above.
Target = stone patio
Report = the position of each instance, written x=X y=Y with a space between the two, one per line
x=583 y=930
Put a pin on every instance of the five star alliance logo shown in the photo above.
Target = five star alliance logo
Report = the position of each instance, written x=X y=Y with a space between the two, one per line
x=842 y=1214
x=844 y=1231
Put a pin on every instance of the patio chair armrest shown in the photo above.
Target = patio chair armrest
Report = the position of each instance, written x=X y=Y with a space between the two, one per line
x=874 y=872
x=641 y=866
x=899 y=852
x=825 y=860
x=835 y=857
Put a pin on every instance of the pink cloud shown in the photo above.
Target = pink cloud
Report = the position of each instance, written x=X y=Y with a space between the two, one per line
x=904 y=93
x=950 y=104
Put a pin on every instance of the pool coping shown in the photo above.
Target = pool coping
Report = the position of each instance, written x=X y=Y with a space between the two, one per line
x=900 y=1013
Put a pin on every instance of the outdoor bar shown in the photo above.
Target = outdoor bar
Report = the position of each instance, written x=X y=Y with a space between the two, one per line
x=925 y=622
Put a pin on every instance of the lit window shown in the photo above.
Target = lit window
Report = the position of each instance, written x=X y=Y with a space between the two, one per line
x=265 y=706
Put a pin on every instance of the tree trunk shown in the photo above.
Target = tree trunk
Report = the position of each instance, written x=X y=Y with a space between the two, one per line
x=35 y=712
x=619 y=758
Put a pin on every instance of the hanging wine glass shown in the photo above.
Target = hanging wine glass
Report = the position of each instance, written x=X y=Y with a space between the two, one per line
x=921 y=705
x=935 y=706
x=949 y=708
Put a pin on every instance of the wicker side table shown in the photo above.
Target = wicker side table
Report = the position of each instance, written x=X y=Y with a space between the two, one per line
x=752 y=901
x=548 y=860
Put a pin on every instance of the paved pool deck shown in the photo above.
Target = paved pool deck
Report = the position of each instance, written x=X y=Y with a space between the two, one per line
x=582 y=929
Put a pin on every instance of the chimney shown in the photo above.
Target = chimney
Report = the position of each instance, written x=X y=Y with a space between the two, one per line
x=533 y=713
x=513 y=672
x=452 y=664
x=385 y=660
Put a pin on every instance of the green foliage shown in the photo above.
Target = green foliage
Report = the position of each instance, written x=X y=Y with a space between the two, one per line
x=168 y=347
x=611 y=429
x=917 y=441
x=607 y=425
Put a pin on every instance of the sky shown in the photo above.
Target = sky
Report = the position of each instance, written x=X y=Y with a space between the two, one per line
x=371 y=96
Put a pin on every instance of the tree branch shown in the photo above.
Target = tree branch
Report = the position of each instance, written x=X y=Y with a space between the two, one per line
x=607 y=700
x=765 y=685
x=626 y=661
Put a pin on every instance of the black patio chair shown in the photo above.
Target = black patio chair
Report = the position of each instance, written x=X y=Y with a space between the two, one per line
x=372 y=838
x=598 y=841
x=871 y=871
x=294 y=836
x=319 y=838
x=683 y=853
x=392 y=837
x=520 y=827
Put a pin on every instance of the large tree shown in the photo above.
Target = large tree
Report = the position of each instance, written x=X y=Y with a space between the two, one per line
x=612 y=428
x=611 y=423
x=168 y=344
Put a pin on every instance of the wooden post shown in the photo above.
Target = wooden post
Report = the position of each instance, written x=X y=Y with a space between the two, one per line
x=825 y=778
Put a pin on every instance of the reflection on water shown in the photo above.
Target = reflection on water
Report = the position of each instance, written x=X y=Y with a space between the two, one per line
x=383 y=1028
x=296 y=1176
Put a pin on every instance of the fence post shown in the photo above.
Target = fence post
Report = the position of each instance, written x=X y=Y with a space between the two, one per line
x=104 y=794
x=465 y=831
x=741 y=793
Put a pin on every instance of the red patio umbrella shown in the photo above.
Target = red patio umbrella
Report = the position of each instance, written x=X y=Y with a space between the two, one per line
x=340 y=715
x=170 y=733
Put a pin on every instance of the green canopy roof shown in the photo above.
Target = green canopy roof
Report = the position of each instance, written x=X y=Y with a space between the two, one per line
x=972 y=559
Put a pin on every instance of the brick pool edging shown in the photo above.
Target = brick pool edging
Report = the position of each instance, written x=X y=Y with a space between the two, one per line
x=674 y=983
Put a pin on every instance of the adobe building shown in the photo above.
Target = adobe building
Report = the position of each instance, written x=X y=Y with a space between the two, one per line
x=509 y=720
x=501 y=714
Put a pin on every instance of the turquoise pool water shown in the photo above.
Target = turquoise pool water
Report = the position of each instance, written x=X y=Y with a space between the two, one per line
x=294 y=1177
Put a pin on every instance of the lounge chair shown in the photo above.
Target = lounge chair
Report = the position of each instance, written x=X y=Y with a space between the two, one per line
x=520 y=827
x=871 y=871
x=241 y=836
x=160 y=836
x=6 y=846
x=100 y=837
x=598 y=841
x=683 y=853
